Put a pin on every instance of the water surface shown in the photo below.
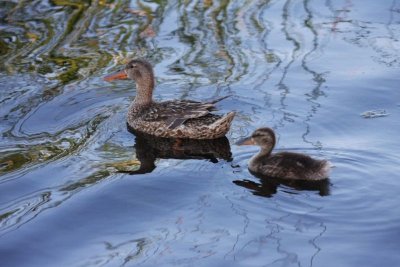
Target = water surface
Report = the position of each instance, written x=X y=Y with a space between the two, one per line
x=308 y=69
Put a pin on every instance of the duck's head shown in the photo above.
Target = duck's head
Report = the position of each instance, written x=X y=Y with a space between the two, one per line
x=263 y=137
x=138 y=70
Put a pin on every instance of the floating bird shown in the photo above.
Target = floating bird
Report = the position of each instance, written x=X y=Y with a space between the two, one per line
x=171 y=119
x=285 y=165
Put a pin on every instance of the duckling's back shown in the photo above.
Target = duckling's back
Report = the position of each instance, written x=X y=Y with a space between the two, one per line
x=290 y=165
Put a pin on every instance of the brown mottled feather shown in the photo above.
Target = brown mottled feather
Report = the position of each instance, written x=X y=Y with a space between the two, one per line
x=292 y=165
x=171 y=119
x=176 y=112
x=287 y=165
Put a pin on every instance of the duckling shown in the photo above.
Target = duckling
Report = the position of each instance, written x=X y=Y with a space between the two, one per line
x=285 y=165
x=170 y=119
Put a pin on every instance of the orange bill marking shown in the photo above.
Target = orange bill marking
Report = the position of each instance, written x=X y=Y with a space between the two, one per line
x=120 y=75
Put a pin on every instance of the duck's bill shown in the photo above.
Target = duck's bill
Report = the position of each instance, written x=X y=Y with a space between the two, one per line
x=120 y=75
x=248 y=141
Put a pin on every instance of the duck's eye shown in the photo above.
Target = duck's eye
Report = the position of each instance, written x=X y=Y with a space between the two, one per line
x=132 y=66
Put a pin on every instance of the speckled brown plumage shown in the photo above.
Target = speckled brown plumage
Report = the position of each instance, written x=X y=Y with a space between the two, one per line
x=286 y=165
x=170 y=119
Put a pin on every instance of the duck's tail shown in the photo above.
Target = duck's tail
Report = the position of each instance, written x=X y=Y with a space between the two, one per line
x=326 y=168
x=221 y=126
x=323 y=171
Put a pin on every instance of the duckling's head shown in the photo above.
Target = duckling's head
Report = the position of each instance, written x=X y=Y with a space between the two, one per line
x=263 y=137
x=138 y=70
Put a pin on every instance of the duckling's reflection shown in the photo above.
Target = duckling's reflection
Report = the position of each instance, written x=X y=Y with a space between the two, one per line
x=268 y=186
x=149 y=148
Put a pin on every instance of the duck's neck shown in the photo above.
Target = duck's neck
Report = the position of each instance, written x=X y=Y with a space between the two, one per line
x=259 y=158
x=144 y=93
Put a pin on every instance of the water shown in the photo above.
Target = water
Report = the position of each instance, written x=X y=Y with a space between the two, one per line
x=309 y=69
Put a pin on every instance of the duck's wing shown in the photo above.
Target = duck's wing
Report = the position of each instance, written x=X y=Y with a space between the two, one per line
x=287 y=164
x=275 y=167
x=176 y=112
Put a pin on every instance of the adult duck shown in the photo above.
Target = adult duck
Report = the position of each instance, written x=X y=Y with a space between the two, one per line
x=171 y=119
x=285 y=165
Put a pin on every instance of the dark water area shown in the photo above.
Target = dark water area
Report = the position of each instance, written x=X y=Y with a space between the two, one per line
x=308 y=69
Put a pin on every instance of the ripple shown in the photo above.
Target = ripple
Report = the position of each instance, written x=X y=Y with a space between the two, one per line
x=22 y=210
x=306 y=69
x=121 y=253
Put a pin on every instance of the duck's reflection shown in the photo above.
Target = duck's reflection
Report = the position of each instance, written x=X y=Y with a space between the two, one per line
x=268 y=186
x=149 y=148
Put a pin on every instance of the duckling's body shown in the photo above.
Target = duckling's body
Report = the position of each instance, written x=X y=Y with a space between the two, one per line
x=290 y=166
x=286 y=165
x=171 y=119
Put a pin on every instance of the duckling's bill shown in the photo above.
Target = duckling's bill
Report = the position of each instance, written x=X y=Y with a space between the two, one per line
x=248 y=141
x=120 y=75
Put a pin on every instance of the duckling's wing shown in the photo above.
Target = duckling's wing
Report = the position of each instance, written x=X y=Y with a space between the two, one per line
x=175 y=113
x=288 y=164
x=275 y=167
